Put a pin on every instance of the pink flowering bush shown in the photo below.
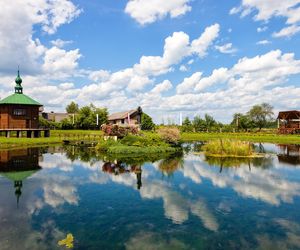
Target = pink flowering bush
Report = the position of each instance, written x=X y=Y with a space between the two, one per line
x=119 y=131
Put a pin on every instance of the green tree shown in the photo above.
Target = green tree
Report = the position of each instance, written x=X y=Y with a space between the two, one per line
x=261 y=115
x=209 y=122
x=187 y=125
x=147 y=123
x=72 y=108
x=241 y=121
x=67 y=124
x=199 y=124
x=87 y=117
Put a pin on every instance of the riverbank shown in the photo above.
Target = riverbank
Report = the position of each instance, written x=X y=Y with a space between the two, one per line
x=58 y=136
x=252 y=137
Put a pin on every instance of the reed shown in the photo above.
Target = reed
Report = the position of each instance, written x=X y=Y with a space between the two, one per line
x=229 y=148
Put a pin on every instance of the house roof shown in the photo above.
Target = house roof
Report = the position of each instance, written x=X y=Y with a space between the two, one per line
x=19 y=99
x=289 y=115
x=18 y=176
x=121 y=115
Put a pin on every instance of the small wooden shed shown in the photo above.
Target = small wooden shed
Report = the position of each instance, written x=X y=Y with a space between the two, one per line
x=289 y=122
x=19 y=112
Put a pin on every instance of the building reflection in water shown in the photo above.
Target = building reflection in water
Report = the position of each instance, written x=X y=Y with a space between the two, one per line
x=117 y=168
x=18 y=165
x=289 y=154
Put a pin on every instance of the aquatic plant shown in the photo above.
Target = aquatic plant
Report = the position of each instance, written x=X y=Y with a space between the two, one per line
x=229 y=148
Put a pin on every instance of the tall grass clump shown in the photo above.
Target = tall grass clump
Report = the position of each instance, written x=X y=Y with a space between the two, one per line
x=228 y=148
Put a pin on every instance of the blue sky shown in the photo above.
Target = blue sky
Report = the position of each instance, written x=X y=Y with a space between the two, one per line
x=193 y=57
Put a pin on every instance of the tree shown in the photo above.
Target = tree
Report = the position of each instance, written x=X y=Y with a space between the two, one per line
x=187 y=125
x=72 y=108
x=209 y=121
x=199 y=124
x=241 y=121
x=261 y=114
x=66 y=124
x=147 y=123
x=87 y=117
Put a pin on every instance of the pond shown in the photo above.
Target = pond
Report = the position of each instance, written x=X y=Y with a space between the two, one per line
x=181 y=202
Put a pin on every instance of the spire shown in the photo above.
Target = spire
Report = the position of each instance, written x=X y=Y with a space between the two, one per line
x=18 y=81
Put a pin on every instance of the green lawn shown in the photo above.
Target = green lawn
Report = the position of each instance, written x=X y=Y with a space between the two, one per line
x=57 y=137
x=253 y=137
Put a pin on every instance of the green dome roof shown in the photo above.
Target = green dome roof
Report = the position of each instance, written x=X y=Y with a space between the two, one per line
x=18 y=176
x=19 y=99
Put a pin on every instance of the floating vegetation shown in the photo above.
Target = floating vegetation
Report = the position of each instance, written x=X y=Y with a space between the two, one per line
x=229 y=148
x=68 y=241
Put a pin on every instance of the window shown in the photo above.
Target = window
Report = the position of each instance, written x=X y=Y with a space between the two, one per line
x=19 y=112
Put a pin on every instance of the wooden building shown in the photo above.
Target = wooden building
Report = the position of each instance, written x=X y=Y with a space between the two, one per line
x=19 y=112
x=17 y=165
x=289 y=122
x=56 y=117
x=131 y=117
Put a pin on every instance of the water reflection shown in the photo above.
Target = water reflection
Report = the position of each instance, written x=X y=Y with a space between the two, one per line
x=111 y=203
x=117 y=168
x=18 y=165
x=289 y=154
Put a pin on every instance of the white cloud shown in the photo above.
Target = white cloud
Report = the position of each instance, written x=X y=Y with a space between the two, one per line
x=189 y=83
x=268 y=9
x=190 y=62
x=100 y=75
x=60 y=43
x=17 y=44
x=287 y=31
x=149 y=11
x=200 y=45
x=263 y=42
x=183 y=68
x=226 y=48
x=220 y=75
x=60 y=61
x=176 y=48
x=261 y=29
x=66 y=85
x=162 y=87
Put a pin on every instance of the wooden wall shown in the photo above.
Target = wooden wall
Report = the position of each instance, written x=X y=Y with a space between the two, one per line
x=9 y=120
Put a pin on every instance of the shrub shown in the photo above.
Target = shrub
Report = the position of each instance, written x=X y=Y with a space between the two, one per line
x=169 y=135
x=119 y=131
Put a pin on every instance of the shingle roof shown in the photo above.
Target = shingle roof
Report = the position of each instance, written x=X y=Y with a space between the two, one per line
x=121 y=115
x=19 y=99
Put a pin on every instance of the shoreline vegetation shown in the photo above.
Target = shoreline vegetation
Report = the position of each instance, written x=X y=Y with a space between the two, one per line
x=140 y=144
x=230 y=149
x=58 y=136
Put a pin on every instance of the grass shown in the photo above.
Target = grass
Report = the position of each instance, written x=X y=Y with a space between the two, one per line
x=57 y=137
x=229 y=148
x=252 y=137
x=132 y=145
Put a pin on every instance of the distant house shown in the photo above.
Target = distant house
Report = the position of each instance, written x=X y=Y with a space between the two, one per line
x=289 y=122
x=133 y=116
x=55 y=117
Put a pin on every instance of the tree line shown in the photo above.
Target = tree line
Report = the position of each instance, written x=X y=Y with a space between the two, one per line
x=86 y=118
x=258 y=117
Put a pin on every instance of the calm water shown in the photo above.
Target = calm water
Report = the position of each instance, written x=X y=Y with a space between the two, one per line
x=184 y=202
